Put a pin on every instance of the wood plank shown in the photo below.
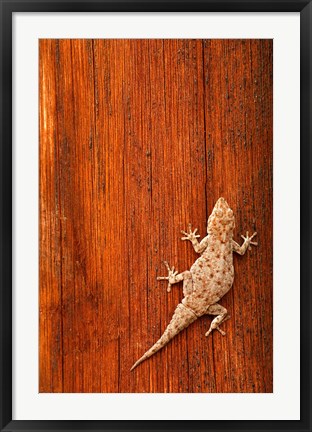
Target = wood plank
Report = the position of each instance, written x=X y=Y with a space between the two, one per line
x=137 y=139
x=50 y=280
x=238 y=105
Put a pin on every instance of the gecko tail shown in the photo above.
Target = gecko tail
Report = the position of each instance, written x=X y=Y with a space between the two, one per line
x=181 y=319
x=144 y=357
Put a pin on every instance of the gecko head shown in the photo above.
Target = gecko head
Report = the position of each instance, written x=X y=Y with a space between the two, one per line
x=221 y=219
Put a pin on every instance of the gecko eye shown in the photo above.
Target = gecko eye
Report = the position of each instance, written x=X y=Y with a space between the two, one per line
x=230 y=212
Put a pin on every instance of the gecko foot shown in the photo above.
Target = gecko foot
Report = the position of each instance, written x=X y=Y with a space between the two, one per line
x=248 y=239
x=171 y=276
x=218 y=328
x=190 y=235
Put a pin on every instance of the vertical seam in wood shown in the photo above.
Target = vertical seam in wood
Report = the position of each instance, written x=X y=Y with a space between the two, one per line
x=149 y=186
x=206 y=180
x=126 y=219
x=165 y=92
x=165 y=108
x=205 y=131
x=74 y=123
x=58 y=163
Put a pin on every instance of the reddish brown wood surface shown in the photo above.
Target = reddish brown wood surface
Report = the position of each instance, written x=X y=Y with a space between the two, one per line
x=137 y=139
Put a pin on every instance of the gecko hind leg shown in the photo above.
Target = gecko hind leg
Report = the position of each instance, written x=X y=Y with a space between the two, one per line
x=222 y=316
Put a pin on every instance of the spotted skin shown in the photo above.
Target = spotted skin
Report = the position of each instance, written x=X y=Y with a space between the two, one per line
x=209 y=278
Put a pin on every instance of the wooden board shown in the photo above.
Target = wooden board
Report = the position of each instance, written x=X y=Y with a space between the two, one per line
x=137 y=139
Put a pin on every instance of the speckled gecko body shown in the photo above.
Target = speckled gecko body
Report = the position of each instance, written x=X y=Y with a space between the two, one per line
x=209 y=278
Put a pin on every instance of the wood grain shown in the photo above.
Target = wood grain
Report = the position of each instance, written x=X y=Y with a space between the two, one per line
x=137 y=139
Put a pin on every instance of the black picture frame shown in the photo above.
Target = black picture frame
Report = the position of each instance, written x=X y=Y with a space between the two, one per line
x=7 y=9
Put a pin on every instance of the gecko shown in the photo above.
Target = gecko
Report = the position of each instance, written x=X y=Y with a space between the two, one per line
x=209 y=278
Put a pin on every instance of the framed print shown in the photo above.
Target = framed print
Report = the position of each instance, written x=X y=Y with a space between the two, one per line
x=155 y=162
x=128 y=166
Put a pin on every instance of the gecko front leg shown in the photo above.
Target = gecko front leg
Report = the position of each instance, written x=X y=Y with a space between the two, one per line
x=246 y=245
x=174 y=277
x=199 y=247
